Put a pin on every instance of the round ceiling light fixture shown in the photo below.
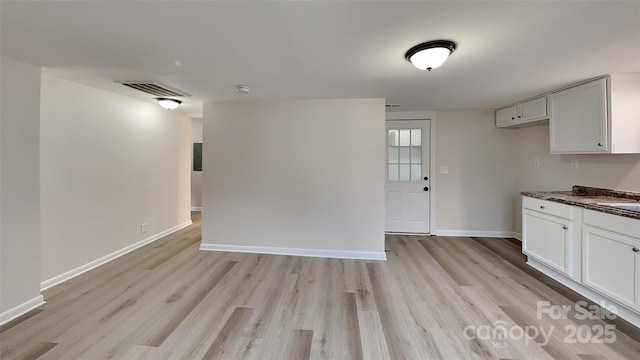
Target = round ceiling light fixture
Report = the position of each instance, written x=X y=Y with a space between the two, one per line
x=168 y=103
x=431 y=54
x=243 y=89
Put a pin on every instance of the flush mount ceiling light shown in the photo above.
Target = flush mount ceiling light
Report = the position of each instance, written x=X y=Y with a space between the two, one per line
x=431 y=54
x=243 y=89
x=168 y=103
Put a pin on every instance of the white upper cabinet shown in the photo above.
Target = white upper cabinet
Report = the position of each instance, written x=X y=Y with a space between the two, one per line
x=579 y=119
x=533 y=110
x=522 y=113
x=506 y=116
x=600 y=116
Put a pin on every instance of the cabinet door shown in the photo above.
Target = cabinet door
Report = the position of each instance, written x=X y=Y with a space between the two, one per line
x=506 y=116
x=533 y=110
x=546 y=239
x=578 y=119
x=610 y=265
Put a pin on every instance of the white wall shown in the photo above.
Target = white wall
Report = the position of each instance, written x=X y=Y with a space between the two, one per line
x=19 y=186
x=477 y=196
x=620 y=171
x=196 y=176
x=296 y=174
x=109 y=164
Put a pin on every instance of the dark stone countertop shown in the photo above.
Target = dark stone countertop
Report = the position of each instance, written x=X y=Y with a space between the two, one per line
x=589 y=197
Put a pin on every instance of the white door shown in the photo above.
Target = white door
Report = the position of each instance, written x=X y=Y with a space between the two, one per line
x=407 y=195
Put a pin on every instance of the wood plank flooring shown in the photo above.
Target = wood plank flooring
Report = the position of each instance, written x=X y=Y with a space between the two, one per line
x=430 y=300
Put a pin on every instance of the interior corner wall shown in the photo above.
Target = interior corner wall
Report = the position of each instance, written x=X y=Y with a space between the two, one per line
x=196 y=176
x=477 y=196
x=295 y=174
x=19 y=185
x=109 y=163
x=619 y=171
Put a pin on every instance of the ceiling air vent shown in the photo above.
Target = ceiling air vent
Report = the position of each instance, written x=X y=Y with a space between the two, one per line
x=153 y=88
x=392 y=106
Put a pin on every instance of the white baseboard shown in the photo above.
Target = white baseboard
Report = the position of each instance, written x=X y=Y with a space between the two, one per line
x=477 y=233
x=196 y=208
x=621 y=310
x=21 y=309
x=105 y=259
x=338 y=254
x=406 y=233
x=517 y=235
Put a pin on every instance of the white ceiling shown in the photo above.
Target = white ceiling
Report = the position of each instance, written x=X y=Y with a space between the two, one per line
x=507 y=51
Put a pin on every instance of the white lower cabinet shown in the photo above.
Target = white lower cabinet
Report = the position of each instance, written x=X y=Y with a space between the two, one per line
x=547 y=239
x=548 y=230
x=611 y=257
x=594 y=253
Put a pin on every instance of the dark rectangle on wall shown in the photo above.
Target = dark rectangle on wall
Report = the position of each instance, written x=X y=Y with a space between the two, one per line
x=197 y=156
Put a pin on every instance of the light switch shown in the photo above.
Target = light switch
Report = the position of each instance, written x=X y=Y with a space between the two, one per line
x=575 y=164
x=536 y=162
x=444 y=170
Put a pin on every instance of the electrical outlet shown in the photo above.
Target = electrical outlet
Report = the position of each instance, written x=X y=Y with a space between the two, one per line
x=143 y=228
x=444 y=170
x=575 y=164
x=536 y=162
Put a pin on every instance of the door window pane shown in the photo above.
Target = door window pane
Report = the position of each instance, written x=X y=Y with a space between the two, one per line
x=404 y=137
x=393 y=155
x=416 y=137
x=416 y=172
x=393 y=172
x=404 y=155
x=393 y=137
x=416 y=154
x=404 y=173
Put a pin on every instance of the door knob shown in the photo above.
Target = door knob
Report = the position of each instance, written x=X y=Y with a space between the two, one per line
x=426 y=178
x=425 y=188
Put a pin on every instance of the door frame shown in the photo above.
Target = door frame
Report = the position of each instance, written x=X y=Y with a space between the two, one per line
x=423 y=115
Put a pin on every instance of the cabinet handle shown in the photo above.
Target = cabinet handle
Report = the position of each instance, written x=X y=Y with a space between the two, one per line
x=635 y=249
x=565 y=227
x=519 y=116
x=600 y=144
x=512 y=118
x=541 y=206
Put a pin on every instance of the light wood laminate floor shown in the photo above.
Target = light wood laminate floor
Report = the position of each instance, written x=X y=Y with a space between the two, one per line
x=168 y=300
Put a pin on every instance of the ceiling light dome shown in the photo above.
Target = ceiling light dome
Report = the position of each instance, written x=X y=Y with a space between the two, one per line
x=431 y=54
x=243 y=89
x=168 y=103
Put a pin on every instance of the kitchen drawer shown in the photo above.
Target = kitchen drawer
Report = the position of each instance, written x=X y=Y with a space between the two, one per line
x=620 y=224
x=548 y=207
